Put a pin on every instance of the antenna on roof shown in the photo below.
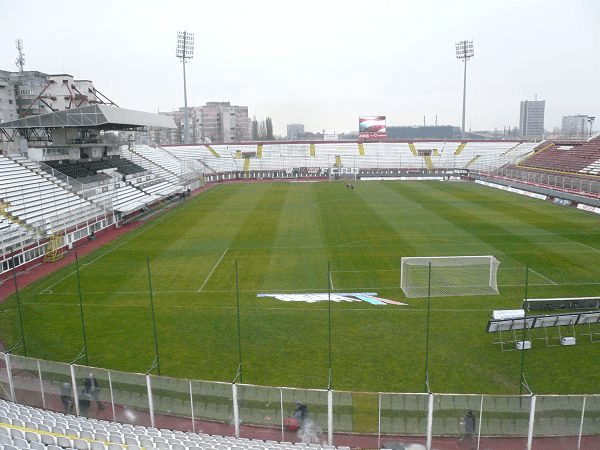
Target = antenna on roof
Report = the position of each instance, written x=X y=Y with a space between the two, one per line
x=21 y=58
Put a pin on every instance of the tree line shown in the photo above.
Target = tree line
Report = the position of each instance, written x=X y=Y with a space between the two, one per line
x=263 y=130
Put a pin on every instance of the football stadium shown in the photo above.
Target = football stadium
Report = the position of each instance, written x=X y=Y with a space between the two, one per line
x=332 y=294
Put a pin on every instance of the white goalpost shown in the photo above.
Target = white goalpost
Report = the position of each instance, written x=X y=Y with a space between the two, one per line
x=442 y=276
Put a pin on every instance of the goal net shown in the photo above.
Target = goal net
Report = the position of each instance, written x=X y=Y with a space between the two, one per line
x=441 y=276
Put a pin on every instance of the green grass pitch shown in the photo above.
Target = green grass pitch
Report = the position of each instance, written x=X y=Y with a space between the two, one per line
x=282 y=237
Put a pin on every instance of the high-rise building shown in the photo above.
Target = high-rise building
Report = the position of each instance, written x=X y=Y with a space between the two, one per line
x=215 y=122
x=531 y=121
x=575 y=126
x=294 y=130
x=8 y=101
x=221 y=122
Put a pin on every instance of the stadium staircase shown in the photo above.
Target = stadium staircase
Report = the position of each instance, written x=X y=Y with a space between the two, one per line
x=361 y=149
x=470 y=163
x=215 y=154
x=460 y=148
x=338 y=161
x=312 y=150
x=413 y=150
x=428 y=162
x=246 y=164
x=53 y=250
x=509 y=150
x=259 y=151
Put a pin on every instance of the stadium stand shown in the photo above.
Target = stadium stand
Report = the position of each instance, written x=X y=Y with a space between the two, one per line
x=124 y=198
x=161 y=162
x=581 y=157
x=40 y=201
x=13 y=234
x=430 y=155
x=89 y=170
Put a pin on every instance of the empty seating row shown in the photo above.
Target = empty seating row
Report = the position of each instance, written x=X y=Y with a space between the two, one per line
x=566 y=156
x=89 y=169
x=39 y=201
x=26 y=427
x=156 y=160
x=401 y=155
x=124 y=198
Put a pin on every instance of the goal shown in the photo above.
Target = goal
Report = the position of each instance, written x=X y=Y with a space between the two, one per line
x=441 y=276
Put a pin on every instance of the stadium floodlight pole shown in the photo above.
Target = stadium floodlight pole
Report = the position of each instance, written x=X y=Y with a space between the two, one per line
x=464 y=51
x=185 y=50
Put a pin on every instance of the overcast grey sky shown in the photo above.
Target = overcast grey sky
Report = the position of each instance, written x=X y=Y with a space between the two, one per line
x=323 y=63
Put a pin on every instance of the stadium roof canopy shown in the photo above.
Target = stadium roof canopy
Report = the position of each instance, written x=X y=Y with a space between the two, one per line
x=102 y=117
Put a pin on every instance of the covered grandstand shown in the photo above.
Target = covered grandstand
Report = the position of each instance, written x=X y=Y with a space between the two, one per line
x=62 y=180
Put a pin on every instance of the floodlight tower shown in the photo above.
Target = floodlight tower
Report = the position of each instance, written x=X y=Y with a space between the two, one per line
x=464 y=51
x=185 y=50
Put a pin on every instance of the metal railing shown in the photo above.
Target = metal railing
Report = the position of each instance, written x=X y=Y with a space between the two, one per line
x=572 y=184
x=355 y=419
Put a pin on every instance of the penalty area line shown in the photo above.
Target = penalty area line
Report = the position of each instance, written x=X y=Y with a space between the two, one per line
x=545 y=278
x=213 y=269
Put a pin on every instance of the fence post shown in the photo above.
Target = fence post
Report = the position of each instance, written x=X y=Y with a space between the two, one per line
x=41 y=383
x=236 y=412
x=282 y=416
x=192 y=407
x=330 y=417
x=112 y=397
x=531 y=421
x=429 y=419
x=379 y=420
x=11 y=385
x=74 y=385
x=150 y=400
x=581 y=423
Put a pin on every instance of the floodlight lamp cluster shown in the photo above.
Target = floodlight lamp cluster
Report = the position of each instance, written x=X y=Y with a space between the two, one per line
x=464 y=50
x=185 y=45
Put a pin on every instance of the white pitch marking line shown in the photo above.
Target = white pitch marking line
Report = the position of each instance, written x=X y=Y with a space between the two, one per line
x=588 y=246
x=213 y=269
x=545 y=278
x=331 y=281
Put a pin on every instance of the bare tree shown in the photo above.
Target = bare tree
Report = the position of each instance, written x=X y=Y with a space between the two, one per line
x=254 y=129
x=262 y=131
x=269 y=129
